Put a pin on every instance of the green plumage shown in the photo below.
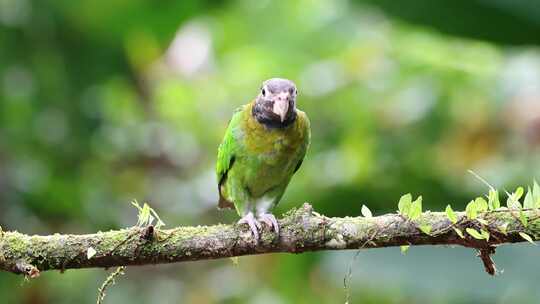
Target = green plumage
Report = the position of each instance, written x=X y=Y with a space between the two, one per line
x=255 y=163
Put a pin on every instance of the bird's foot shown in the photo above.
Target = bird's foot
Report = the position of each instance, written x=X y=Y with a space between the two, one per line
x=270 y=220
x=250 y=220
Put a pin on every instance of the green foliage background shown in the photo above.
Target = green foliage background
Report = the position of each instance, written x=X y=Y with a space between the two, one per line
x=102 y=102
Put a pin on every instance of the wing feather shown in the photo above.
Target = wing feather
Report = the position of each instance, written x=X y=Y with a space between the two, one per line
x=226 y=157
x=304 y=124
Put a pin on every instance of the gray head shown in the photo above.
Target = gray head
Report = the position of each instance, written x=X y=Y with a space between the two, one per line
x=275 y=105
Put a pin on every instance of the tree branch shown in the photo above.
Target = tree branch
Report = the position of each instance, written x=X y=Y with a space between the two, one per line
x=301 y=230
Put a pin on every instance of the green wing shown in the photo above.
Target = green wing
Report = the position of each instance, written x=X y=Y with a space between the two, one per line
x=305 y=125
x=226 y=156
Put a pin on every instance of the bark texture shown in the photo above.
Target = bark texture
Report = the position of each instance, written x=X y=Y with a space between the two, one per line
x=301 y=230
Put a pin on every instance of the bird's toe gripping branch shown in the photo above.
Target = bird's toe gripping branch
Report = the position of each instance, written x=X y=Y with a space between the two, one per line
x=251 y=221
x=270 y=220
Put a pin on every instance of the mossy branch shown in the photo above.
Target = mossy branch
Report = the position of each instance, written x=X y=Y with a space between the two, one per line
x=301 y=230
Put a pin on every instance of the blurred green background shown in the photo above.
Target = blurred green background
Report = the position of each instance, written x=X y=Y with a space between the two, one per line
x=105 y=101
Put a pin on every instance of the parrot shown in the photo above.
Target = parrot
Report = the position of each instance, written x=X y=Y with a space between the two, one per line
x=264 y=145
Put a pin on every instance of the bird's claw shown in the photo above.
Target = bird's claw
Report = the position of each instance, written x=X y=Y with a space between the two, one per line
x=254 y=225
x=250 y=220
x=270 y=220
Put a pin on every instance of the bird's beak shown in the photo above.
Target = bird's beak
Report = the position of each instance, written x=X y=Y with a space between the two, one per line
x=281 y=105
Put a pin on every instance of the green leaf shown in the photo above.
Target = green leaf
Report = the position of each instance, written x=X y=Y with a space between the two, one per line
x=523 y=219
x=503 y=228
x=366 y=212
x=425 y=229
x=528 y=201
x=519 y=193
x=536 y=194
x=459 y=232
x=404 y=249
x=416 y=209
x=512 y=203
x=470 y=210
x=404 y=204
x=482 y=221
x=450 y=214
x=513 y=199
x=484 y=234
x=475 y=234
x=481 y=204
x=527 y=237
x=493 y=200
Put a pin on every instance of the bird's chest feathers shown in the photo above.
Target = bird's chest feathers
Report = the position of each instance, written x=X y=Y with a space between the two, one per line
x=273 y=146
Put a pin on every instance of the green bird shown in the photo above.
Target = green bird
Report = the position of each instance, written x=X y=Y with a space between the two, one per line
x=263 y=147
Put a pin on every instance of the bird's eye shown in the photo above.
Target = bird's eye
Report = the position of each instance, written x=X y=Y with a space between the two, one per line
x=263 y=92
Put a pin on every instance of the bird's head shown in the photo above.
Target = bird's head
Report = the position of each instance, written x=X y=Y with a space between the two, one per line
x=275 y=105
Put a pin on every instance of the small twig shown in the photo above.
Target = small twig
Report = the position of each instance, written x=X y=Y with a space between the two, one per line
x=485 y=255
x=481 y=179
x=109 y=282
x=348 y=277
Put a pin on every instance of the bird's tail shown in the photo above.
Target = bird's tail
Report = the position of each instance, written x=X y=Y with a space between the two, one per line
x=223 y=202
